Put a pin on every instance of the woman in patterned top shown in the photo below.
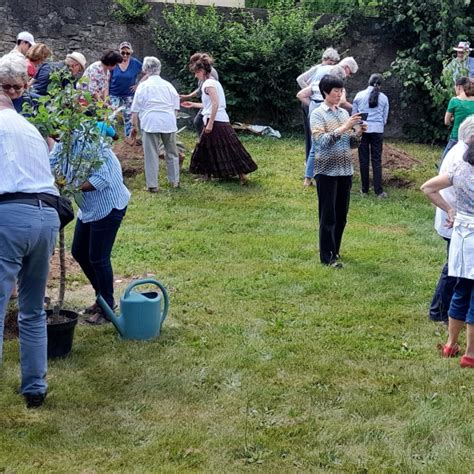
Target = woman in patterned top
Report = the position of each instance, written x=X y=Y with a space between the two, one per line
x=334 y=136
x=461 y=251
x=96 y=77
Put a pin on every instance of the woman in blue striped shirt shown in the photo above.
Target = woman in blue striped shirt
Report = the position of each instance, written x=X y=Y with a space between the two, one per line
x=104 y=203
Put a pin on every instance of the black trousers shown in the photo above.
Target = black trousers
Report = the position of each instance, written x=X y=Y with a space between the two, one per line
x=443 y=293
x=370 y=149
x=198 y=123
x=307 y=130
x=333 y=204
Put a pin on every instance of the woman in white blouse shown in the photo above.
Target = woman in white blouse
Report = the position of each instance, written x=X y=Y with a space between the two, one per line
x=218 y=153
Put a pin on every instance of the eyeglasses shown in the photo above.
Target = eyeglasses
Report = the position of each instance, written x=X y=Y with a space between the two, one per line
x=15 y=87
x=124 y=53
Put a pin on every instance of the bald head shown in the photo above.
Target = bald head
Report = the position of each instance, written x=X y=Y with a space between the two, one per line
x=5 y=102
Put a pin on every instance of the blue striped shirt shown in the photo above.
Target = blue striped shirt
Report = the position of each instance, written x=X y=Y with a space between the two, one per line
x=377 y=117
x=110 y=191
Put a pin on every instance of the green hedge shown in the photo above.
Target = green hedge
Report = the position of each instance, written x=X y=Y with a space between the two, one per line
x=257 y=60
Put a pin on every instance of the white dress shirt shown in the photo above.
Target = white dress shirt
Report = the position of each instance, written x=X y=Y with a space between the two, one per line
x=24 y=157
x=155 y=102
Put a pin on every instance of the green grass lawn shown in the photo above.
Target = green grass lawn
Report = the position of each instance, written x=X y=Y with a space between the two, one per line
x=268 y=361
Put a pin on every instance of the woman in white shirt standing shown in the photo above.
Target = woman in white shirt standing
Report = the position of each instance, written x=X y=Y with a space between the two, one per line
x=156 y=102
x=219 y=152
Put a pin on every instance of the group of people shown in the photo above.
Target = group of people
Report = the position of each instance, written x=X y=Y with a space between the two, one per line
x=30 y=222
x=330 y=133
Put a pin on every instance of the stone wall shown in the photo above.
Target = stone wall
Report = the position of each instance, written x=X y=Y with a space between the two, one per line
x=85 y=25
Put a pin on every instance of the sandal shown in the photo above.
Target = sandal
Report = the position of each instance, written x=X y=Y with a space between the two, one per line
x=97 y=320
x=467 y=362
x=449 y=351
x=92 y=309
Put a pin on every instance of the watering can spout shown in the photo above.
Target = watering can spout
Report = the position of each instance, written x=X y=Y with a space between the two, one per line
x=117 y=322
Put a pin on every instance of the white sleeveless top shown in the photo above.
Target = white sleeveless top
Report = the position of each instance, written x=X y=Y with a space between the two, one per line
x=221 y=115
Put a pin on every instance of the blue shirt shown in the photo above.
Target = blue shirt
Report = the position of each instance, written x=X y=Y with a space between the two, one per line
x=110 y=191
x=122 y=81
x=29 y=98
x=378 y=116
x=106 y=130
x=42 y=79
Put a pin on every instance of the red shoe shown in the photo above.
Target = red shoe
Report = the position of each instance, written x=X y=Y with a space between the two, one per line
x=448 y=351
x=467 y=362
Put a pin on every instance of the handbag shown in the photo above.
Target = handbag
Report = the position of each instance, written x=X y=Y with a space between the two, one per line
x=63 y=206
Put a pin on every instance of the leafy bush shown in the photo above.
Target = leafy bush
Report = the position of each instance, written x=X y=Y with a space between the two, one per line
x=257 y=60
x=130 y=11
x=427 y=31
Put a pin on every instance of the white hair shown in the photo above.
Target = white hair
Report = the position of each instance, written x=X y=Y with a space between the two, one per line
x=13 y=68
x=331 y=54
x=151 y=66
x=466 y=130
x=349 y=62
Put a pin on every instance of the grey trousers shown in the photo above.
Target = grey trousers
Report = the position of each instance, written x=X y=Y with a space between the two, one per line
x=151 y=147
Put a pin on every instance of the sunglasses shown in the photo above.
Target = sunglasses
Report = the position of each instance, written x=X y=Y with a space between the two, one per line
x=7 y=87
x=124 y=53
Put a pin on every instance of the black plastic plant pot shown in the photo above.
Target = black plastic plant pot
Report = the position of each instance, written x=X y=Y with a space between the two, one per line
x=61 y=334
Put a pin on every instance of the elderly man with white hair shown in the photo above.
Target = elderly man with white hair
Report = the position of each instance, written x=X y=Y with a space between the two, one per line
x=311 y=96
x=156 y=103
x=27 y=238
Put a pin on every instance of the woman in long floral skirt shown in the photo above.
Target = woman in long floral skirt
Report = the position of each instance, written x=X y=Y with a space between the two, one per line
x=218 y=153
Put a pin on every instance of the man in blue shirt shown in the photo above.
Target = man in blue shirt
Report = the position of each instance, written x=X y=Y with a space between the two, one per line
x=75 y=62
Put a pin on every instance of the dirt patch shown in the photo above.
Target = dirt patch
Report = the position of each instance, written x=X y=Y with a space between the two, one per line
x=131 y=157
x=393 y=160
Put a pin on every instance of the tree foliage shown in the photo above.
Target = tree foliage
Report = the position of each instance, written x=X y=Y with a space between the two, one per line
x=257 y=59
x=130 y=11
x=426 y=30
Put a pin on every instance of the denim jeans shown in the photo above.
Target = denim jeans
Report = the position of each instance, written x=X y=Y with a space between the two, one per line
x=27 y=239
x=448 y=147
x=92 y=248
x=462 y=304
x=126 y=112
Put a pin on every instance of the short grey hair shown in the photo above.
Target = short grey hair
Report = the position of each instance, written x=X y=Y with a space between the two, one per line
x=331 y=54
x=466 y=130
x=349 y=62
x=13 y=68
x=151 y=66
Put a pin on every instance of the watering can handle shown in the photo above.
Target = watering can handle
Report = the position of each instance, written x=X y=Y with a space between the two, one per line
x=151 y=282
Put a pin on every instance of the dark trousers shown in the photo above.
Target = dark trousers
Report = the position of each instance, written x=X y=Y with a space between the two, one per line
x=443 y=293
x=333 y=205
x=307 y=130
x=198 y=123
x=92 y=247
x=370 y=149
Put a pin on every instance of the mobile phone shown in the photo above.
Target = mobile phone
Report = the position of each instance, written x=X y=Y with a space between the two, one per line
x=364 y=116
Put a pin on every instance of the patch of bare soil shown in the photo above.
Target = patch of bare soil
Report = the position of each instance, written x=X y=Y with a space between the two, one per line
x=393 y=160
x=131 y=157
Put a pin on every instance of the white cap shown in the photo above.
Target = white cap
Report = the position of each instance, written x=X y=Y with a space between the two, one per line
x=25 y=36
x=78 y=57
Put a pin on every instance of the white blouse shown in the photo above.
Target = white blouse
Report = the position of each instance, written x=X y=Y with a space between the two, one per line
x=221 y=115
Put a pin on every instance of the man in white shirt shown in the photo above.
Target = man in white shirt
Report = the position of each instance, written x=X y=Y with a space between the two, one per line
x=24 y=41
x=27 y=239
x=156 y=103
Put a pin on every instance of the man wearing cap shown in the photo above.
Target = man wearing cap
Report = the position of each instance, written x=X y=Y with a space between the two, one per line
x=27 y=239
x=75 y=62
x=24 y=41
x=460 y=66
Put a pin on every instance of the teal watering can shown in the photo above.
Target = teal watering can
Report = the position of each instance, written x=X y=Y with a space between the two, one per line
x=141 y=316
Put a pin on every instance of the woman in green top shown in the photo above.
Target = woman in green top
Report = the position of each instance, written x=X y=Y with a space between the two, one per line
x=459 y=108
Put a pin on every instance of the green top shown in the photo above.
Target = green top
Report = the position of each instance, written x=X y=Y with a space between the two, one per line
x=460 y=110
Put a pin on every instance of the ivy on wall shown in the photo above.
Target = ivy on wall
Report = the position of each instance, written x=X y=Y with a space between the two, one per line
x=257 y=60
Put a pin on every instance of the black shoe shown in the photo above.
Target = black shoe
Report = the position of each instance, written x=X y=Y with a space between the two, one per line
x=34 y=400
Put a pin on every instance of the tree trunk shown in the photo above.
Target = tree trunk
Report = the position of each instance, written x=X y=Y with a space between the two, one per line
x=62 y=277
